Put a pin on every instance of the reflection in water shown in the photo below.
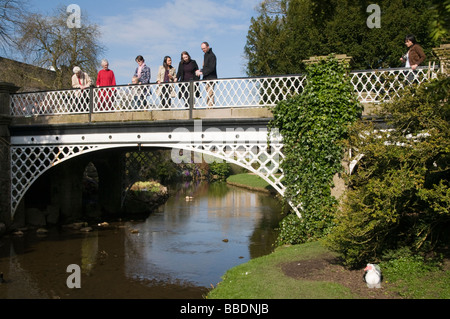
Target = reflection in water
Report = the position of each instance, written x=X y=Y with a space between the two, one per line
x=89 y=251
x=176 y=252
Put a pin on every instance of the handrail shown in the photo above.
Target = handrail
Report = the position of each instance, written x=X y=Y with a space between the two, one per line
x=371 y=86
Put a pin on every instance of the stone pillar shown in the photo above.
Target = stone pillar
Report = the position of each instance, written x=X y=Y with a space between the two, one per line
x=66 y=191
x=110 y=172
x=5 y=166
x=443 y=53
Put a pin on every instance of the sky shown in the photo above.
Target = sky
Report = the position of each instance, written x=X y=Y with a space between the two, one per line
x=156 y=28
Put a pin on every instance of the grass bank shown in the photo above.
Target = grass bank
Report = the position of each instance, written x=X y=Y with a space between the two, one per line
x=310 y=271
x=250 y=181
x=263 y=278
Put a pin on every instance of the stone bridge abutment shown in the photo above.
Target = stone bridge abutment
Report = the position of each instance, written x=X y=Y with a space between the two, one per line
x=6 y=89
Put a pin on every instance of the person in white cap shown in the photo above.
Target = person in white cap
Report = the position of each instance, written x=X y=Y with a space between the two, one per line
x=80 y=79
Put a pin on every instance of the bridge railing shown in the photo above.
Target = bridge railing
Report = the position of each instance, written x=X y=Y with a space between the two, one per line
x=371 y=86
x=381 y=85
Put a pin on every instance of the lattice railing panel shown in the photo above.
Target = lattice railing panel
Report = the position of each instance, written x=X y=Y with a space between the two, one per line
x=371 y=86
x=258 y=158
x=29 y=162
x=50 y=103
x=141 y=97
x=251 y=92
x=377 y=86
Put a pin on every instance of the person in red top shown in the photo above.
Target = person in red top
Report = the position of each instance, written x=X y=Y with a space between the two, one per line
x=106 y=77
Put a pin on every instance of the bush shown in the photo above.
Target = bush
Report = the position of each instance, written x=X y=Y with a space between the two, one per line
x=313 y=126
x=399 y=195
x=219 y=170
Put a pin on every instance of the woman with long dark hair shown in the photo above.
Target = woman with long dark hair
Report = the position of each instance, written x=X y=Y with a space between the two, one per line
x=186 y=72
x=166 y=74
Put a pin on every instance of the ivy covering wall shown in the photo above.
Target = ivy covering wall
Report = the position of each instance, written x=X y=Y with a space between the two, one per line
x=314 y=125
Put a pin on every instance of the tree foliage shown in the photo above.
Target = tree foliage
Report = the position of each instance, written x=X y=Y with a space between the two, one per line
x=48 y=42
x=313 y=126
x=399 y=196
x=263 y=47
x=440 y=20
x=279 y=40
x=11 y=13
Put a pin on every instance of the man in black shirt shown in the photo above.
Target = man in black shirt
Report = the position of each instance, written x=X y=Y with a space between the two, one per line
x=209 y=71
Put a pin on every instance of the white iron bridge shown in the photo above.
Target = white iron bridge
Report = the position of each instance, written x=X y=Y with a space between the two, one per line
x=224 y=119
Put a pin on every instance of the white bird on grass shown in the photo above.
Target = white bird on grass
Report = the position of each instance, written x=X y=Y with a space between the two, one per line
x=372 y=276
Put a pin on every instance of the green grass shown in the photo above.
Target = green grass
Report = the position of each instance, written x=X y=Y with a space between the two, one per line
x=263 y=278
x=413 y=279
x=249 y=180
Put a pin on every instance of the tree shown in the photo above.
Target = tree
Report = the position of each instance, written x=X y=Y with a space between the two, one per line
x=50 y=43
x=308 y=28
x=265 y=49
x=399 y=195
x=440 y=21
x=11 y=13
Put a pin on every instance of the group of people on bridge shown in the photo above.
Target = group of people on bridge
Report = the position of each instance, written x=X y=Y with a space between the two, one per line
x=188 y=70
x=142 y=94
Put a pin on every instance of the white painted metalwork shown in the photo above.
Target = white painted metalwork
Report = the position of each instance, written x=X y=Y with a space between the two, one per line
x=50 y=103
x=376 y=86
x=371 y=86
x=32 y=156
x=30 y=162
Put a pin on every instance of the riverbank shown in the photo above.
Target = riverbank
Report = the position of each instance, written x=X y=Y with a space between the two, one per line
x=307 y=271
x=251 y=182
x=311 y=271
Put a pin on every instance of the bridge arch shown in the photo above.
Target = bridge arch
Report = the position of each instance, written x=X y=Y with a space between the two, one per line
x=29 y=162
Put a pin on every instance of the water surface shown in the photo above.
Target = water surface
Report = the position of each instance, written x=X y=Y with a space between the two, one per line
x=178 y=251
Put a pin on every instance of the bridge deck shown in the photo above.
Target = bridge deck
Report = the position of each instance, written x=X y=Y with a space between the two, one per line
x=144 y=116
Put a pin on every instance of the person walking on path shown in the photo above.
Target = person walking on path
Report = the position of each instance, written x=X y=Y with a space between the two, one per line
x=143 y=76
x=415 y=55
x=413 y=58
x=82 y=81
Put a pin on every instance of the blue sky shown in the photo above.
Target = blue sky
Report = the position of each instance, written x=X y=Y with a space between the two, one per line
x=158 y=28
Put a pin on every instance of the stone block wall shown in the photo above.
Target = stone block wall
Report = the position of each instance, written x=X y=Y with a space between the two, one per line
x=5 y=177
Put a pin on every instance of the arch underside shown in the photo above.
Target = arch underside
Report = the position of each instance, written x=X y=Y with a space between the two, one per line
x=29 y=162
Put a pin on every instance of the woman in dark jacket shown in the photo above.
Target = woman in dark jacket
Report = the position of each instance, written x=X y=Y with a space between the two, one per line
x=415 y=55
x=186 y=72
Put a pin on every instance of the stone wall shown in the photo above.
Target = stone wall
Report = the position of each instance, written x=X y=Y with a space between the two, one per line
x=5 y=177
x=28 y=77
